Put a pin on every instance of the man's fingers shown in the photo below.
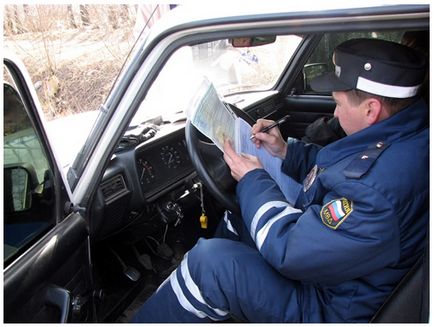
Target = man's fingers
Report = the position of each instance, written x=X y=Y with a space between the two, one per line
x=229 y=155
x=247 y=156
x=227 y=147
x=260 y=124
x=227 y=158
x=265 y=138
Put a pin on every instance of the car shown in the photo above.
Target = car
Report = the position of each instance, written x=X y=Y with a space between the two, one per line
x=90 y=234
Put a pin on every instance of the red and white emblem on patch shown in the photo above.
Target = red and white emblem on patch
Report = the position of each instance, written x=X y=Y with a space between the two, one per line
x=335 y=212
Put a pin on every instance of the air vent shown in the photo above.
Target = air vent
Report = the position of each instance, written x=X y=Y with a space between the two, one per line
x=113 y=188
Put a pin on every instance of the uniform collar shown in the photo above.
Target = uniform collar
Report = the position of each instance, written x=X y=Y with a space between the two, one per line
x=401 y=125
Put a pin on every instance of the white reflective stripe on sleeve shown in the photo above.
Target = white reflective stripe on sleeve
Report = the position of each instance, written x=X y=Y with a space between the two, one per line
x=263 y=232
x=228 y=224
x=391 y=91
x=194 y=289
x=165 y=282
x=182 y=299
x=265 y=207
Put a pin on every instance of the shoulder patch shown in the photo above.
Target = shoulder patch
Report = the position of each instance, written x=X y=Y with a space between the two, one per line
x=310 y=178
x=335 y=212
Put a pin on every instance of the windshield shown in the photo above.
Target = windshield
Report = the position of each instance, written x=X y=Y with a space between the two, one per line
x=231 y=70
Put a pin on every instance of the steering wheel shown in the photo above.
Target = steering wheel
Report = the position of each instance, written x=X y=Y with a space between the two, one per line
x=210 y=165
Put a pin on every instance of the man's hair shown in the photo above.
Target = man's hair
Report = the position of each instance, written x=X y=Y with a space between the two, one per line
x=392 y=105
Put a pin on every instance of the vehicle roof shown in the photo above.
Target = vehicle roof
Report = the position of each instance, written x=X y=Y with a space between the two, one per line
x=211 y=14
x=208 y=12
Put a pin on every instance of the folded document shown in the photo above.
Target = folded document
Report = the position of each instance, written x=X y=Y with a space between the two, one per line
x=218 y=122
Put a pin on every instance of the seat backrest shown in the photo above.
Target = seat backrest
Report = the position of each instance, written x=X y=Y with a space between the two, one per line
x=409 y=301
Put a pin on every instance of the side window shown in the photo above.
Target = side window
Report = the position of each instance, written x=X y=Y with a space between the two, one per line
x=28 y=187
x=321 y=59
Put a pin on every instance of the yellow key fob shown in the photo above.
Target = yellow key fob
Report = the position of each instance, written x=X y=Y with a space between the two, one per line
x=203 y=221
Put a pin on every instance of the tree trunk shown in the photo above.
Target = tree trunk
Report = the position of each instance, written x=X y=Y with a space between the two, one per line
x=84 y=14
x=14 y=21
x=112 y=17
x=71 y=20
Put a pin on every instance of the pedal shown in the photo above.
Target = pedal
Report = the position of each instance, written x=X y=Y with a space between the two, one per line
x=132 y=273
x=145 y=260
x=164 y=251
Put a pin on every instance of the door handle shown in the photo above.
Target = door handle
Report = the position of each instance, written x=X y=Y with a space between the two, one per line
x=61 y=299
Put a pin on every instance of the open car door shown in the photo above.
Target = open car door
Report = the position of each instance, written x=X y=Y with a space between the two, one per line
x=47 y=270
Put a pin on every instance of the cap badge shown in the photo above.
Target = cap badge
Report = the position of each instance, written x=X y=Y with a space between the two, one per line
x=338 y=71
x=368 y=66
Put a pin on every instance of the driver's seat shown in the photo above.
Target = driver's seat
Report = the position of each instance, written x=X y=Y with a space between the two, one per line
x=409 y=301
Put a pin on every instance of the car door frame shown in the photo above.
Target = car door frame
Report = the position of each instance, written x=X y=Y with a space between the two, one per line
x=44 y=283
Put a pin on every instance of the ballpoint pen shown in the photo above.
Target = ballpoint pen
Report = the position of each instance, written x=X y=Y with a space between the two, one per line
x=276 y=123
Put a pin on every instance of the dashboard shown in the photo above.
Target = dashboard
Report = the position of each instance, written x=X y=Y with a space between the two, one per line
x=161 y=164
x=138 y=178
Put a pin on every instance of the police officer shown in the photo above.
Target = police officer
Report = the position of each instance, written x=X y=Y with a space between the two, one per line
x=357 y=226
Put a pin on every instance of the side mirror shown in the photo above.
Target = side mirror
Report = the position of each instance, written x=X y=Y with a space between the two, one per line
x=310 y=71
x=19 y=182
x=254 y=41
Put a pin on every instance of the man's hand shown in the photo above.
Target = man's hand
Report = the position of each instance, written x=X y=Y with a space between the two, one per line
x=239 y=164
x=272 y=140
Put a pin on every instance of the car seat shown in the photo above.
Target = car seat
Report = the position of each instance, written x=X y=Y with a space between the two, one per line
x=409 y=301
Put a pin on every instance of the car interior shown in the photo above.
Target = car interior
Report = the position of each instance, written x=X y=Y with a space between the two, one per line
x=162 y=180
x=156 y=246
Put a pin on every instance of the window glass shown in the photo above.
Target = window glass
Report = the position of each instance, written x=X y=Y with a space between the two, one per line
x=73 y=54
x=241 y=69
x=230 y=69
x=321 y=59
x=28 y=186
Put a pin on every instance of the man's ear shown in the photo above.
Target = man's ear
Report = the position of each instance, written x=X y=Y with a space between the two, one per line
x=374 y=111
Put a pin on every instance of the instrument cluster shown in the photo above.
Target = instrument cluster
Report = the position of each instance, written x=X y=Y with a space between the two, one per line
x=160 y=164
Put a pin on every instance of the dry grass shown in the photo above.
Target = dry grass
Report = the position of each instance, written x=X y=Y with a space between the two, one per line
x=81 y=87
x=73 y=69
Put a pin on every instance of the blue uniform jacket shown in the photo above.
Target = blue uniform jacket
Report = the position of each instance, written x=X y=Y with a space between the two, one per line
x=359 y=223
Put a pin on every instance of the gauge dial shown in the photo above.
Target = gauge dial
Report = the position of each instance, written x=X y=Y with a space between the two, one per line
x=170 y=156
x=146 y=171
